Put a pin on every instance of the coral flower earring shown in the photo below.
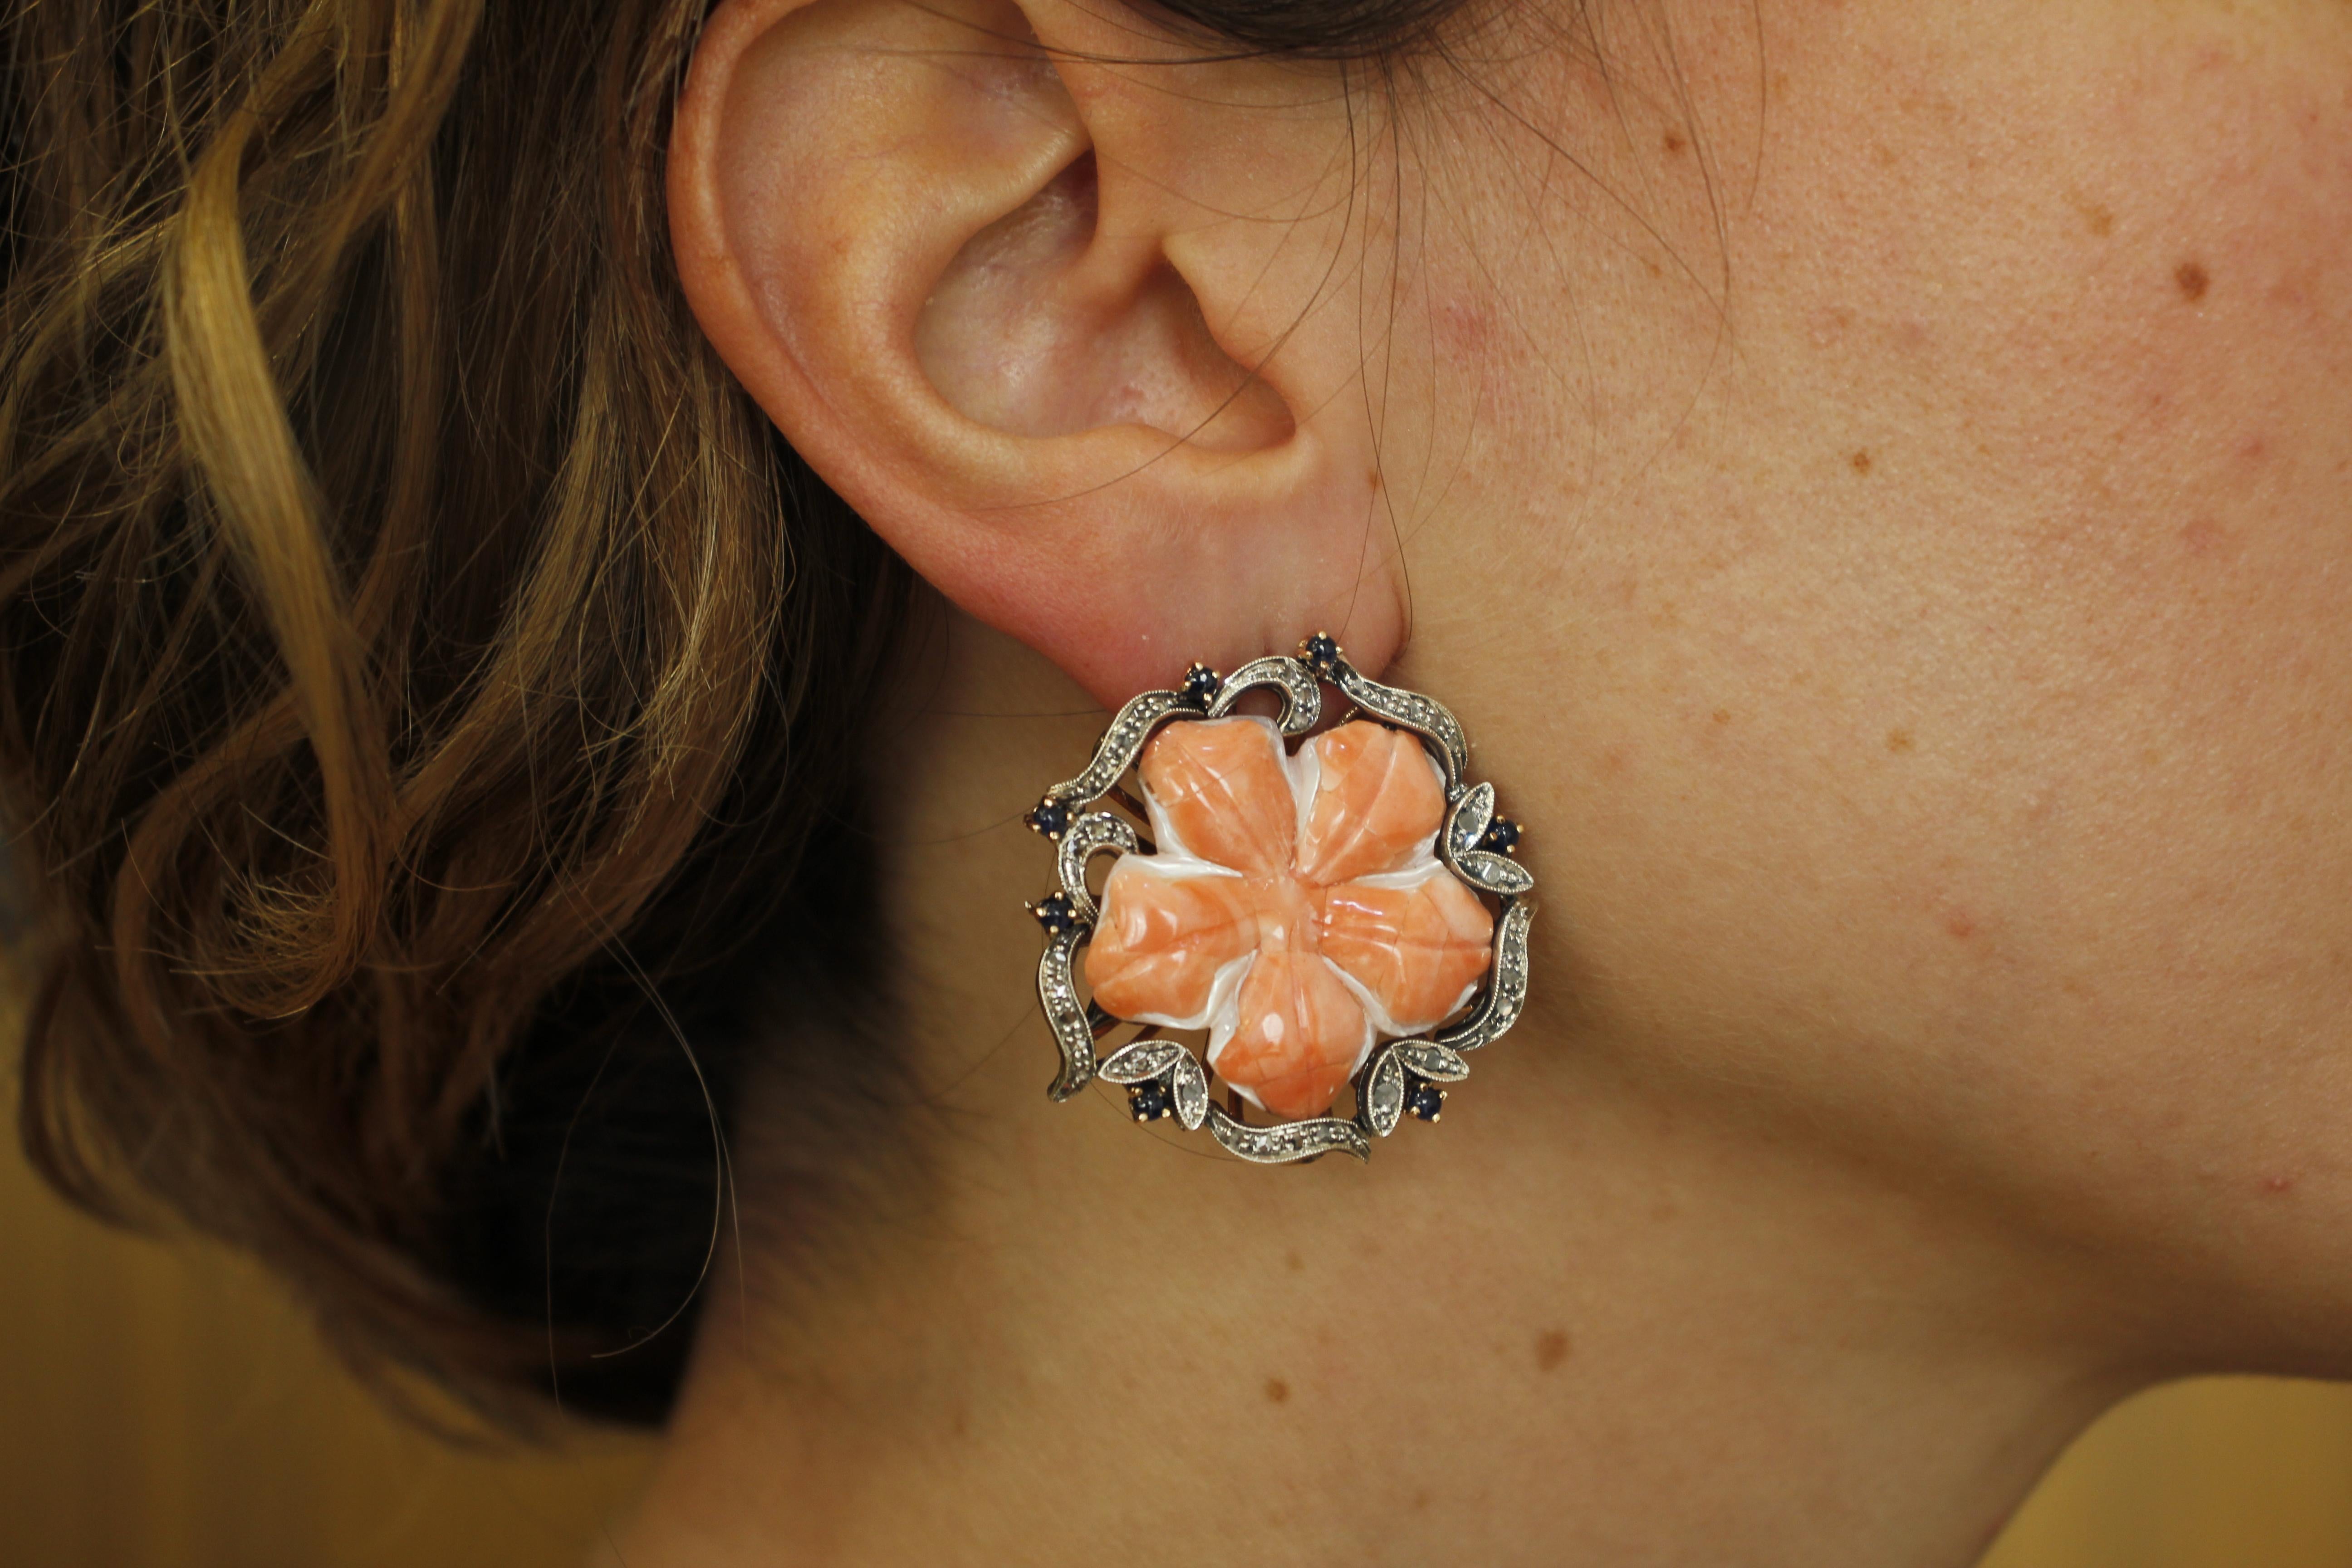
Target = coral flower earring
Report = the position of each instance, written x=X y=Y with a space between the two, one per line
x=1296 y=907
x=1321 y=915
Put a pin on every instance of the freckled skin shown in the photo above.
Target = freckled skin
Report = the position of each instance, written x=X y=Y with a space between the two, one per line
x=1877 y=1115
x=2094 y=295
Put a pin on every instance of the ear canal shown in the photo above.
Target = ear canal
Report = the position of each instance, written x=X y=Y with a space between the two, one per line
x=1044 y=326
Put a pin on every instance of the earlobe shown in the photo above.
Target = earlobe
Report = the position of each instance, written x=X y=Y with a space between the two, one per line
x=990 y=285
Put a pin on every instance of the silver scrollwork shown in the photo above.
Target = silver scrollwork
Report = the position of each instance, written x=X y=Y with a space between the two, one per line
x=1092 y=834
x=1506 y=990
x=1287 y=1141
x=1116 y=752
x=1302 y=694
x=1414 y=712
x=1066 y=1012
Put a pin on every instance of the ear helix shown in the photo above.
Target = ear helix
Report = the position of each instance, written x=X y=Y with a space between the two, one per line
x=987 y=293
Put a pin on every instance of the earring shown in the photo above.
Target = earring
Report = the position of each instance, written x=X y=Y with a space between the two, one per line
x=1345 y=914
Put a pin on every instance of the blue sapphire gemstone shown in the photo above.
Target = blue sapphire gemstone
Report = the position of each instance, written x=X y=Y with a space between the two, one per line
x=1202 y=685
x=1050 y=817
x=1425 y=1100
x=1055 y=913
x=1149 y=1101
x=1322 y=653
x=1501 y=836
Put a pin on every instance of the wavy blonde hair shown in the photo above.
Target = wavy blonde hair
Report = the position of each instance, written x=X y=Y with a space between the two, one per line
x=429 y=689
x=408 y=625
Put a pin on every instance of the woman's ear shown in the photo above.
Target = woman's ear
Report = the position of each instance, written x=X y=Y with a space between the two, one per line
x=1052 y=308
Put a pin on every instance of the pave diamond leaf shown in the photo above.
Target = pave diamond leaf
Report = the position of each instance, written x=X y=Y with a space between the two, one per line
x=1097 y=833
x=1302 y=694
x=1384 y=1093
x=1191 y=1086
x=1439 y=1064
x=1142 y=1061
x=1472 y=813
x=1496 y=873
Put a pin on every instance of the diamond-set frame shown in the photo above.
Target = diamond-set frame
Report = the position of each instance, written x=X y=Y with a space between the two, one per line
x=1164 y=1078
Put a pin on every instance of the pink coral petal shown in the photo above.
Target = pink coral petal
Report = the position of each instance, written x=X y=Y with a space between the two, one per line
x=1299 y=1033
x=1414 y=949
x=1222 y=786
x=1377 y=799
x=1161 y=940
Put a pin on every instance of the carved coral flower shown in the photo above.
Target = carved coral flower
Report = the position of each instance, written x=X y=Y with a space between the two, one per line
x=1296 y=907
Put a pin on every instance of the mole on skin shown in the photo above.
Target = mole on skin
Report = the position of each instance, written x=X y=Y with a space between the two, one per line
x=1551 y=1349
x=1276 y=1391
x=2193 y=280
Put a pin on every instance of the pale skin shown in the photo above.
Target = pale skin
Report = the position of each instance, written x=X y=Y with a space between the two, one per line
x=1874 y=482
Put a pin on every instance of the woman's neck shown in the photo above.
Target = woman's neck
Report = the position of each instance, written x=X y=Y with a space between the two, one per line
x=1592 y=1317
